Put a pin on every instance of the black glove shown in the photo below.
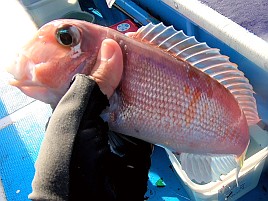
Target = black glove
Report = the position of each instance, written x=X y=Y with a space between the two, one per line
x=75 y=160
x=89 y=177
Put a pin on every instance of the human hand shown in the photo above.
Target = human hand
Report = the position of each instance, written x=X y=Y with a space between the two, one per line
x=108 y=69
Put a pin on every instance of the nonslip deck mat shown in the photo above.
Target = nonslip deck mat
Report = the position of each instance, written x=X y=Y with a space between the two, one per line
x=19 y=146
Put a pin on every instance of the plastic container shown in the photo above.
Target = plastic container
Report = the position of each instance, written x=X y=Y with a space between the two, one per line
x=43 y=11
x=227 y=189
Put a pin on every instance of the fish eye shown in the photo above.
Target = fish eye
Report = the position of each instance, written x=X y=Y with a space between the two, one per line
x=68 y=35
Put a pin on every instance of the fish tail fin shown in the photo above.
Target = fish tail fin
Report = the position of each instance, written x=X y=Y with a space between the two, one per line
x=240 y=162
x=205 y=168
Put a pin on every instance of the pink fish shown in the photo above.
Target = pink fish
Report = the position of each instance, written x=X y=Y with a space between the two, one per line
x=175 y=92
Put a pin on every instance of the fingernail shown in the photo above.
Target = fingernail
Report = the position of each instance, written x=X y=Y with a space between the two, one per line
x=107 y=51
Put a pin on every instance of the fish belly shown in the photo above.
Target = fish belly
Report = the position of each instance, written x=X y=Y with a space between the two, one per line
x=168 y=102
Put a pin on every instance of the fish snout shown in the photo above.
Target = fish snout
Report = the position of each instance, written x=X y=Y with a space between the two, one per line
x=21 y=70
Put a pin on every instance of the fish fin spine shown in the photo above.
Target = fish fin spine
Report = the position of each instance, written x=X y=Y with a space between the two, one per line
x=206 y=59
x=206 y=168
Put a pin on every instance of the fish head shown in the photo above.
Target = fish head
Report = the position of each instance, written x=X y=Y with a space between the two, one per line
x=60 y=49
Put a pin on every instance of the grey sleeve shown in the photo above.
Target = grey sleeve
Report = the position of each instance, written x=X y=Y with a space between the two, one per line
x=51 y=179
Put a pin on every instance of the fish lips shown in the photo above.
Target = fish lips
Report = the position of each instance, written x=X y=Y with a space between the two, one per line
x=28 y=87
x=36 y=91
x=22 y=71
x=24 y=77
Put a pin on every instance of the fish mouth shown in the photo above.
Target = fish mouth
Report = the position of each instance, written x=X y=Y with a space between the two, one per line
x=38 y=92
x=22 y=76
x=22 y=83
x=21 y=69
x=28 y=89
x=22 y=72
x=26 y=86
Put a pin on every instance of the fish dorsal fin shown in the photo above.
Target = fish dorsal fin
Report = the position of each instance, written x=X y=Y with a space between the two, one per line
x=208 y=167
x=208 y=60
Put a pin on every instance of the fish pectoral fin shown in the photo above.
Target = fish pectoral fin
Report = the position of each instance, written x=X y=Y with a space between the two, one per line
x=205 y=168
x=119 y=143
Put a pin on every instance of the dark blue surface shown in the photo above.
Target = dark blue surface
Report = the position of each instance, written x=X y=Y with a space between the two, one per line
x=252 y=15
x=162 y=169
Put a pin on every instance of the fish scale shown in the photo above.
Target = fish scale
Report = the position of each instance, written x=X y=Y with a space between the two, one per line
x=165 y=79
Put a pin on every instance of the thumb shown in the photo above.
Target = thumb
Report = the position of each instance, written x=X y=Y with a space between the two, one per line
x=108 y=69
